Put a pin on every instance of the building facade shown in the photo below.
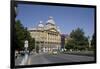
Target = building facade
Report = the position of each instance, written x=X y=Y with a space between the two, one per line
x=64 y=40
x=47 y=36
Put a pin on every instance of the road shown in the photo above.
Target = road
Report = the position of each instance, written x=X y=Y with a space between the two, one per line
x=45 y=58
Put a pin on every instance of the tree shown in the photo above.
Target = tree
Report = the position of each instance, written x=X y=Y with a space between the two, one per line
x=93 y=41
x=21 y=34
x=37 y=49
x=70 y=44
x=78 y=40
x=31 y=44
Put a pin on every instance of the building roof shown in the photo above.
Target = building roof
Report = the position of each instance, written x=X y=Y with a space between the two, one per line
x=47 y=26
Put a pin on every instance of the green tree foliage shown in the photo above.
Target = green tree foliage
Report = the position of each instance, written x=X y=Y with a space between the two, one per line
x=31 y=44
x=37 y=49
x=93 y=41
x=21 y=34
x=77 y=40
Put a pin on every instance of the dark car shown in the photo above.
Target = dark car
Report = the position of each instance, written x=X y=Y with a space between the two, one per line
x=22 y=53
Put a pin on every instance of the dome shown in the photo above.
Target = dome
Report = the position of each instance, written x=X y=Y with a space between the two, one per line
x=50 y=20
x=40 y=24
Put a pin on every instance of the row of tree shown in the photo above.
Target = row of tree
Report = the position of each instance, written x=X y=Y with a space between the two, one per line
x=78 y=41
x=21 y=34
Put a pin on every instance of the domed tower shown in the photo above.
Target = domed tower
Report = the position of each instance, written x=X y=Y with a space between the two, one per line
x=50 y=23
x=40 y=25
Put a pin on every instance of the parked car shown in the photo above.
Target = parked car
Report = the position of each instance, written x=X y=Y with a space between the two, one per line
x=55 y=51
x=22 y=53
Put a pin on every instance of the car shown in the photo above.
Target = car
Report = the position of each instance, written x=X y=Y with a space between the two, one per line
x=55 y=51
x=22 y=53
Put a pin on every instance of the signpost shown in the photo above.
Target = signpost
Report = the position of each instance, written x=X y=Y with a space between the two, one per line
x=26 y=45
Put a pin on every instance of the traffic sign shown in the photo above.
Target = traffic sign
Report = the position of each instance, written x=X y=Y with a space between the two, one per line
x=26 y=44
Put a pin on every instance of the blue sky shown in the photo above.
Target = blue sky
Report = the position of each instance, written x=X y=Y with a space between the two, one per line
x=67 y=18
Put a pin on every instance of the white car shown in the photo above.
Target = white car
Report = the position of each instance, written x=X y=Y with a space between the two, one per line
x=55 y=51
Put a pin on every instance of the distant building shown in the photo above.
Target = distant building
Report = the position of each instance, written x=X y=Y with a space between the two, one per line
x=64 y=40
x=47 y=35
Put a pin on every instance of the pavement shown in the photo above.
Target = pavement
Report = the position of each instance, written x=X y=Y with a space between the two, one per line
x=45 y=58
x=18 y=60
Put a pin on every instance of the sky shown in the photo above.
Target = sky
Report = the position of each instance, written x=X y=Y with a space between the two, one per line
x=67 y=18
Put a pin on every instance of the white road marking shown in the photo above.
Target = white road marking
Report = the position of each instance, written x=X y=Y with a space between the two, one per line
x=29 y=61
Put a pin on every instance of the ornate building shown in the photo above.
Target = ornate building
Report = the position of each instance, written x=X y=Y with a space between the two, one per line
x=47 y=36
